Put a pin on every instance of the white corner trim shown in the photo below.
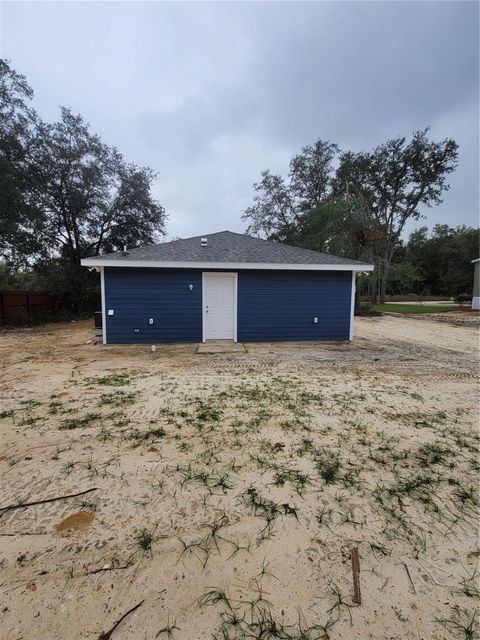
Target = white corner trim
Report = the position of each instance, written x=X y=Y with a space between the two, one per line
x=352 y=305
x=284 y=266
x=104 y=311
x=204 y=339
x=235 y=300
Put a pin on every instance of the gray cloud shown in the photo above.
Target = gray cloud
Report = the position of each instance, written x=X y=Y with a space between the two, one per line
x=209 y=94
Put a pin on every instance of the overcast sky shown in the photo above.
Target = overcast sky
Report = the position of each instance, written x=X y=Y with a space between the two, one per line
x=209 y=94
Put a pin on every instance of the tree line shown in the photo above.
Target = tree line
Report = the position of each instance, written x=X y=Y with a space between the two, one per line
x=64 y=195
x=357 y=205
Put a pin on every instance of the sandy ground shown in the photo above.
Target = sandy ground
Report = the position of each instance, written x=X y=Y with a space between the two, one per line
x=230 y=489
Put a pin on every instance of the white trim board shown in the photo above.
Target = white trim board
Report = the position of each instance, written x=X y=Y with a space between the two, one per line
x=104 y=311
x=235 y=298
x=280 y=266
x=352 y=306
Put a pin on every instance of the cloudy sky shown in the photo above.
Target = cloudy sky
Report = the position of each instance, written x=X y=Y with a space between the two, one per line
x=209 y=94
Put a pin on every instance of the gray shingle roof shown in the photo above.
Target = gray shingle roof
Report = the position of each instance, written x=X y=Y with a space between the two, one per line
x=225 y=246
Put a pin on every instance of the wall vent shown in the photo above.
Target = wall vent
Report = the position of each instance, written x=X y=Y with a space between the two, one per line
x=204 y=242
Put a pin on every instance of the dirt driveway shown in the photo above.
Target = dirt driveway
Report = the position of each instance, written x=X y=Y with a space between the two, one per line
x=227 y=491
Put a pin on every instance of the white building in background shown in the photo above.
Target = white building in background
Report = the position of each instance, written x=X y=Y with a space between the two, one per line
x=476 y=285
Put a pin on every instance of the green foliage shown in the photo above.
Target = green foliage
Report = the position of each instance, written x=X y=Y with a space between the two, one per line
x=444 y=260
x=65 y=195
x=360 y=208
x=81 y=422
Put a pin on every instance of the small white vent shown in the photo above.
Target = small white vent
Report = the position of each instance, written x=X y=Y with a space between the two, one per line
x=204 y=242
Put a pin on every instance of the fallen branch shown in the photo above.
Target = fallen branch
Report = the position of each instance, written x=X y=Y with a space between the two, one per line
x=357 y=595
x=109 y=568
x=106 y=635
x=409 y=577
x=30 y=504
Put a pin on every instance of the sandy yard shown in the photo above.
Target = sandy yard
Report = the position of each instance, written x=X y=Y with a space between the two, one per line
x=230 y=489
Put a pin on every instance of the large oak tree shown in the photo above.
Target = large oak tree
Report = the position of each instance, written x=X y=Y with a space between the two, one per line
x=65 y=194
x=362 y=203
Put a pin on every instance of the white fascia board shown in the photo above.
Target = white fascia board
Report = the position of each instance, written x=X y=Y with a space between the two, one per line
x=98 y=262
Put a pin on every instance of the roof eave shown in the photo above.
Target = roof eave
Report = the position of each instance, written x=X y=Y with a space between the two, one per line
x=285 y=266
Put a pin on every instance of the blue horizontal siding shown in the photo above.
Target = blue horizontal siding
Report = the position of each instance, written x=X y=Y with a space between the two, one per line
x=281 y=305
x=272 y=305
x=135 y=295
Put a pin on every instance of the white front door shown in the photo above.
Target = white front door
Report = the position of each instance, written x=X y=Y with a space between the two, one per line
x=219 y=306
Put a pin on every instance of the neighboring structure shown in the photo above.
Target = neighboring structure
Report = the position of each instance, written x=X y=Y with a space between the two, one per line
x=476 y=284
x=225 y=286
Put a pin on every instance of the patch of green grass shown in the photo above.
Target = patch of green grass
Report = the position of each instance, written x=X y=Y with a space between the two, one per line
x=433 y=453
x=113 y=380
x=143 y=436
x=29 y=421
x=6 y=414
x=413 y=308
x=82 y=422
x=117 y=399
x=295 y=477
x=328 y=466
x=261 y=507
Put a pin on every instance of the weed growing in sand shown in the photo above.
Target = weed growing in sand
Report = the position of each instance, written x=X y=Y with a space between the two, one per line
x=143 y=436
x=295 y=477
x=167 y=630
x=264 y=571
x=82 y=422
x=209 y=542
x=104 y=434
x=6 y=414
x=212 y=481
x=29 y=421
x=327 y=464
x=117 y=399
x=466 y=495
x=463 y=622
x=113 y=380
x=470 y=585
x=261 y=507
x=305 y=447
x=340 y=603
x=88 y=506
x=145 y=540
x=325 y=516
x=433 y=453
x=57 y=452
x=255 y=619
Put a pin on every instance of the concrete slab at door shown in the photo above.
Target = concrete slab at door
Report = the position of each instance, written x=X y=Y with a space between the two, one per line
x=219 y=306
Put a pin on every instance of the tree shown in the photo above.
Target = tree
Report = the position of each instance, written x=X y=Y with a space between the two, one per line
x=64 y=194
x=343 y=227
x=18 y=215
x=278 y=204
x=443 y=260
x=395 y=180
x=92 y=200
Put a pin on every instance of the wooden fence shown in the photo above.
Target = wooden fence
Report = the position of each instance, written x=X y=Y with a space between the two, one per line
x=14 y=304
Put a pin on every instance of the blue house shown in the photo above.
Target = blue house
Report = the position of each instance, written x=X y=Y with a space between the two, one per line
x=225 y=286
